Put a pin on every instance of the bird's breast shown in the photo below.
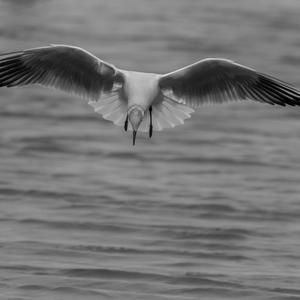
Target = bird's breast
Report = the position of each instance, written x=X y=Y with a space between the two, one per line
x=141 y=89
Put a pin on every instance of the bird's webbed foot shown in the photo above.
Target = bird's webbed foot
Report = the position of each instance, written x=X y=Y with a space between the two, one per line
x=126 y=124
x=150 y=126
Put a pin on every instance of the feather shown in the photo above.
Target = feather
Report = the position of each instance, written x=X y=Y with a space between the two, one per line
x=112 y=108
x=67 y=68
x=221 y=80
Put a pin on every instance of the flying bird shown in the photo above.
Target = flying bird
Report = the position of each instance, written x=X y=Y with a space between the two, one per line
x=137 y=100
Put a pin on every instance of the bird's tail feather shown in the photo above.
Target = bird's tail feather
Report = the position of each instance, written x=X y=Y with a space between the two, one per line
x=169 y=113
x=165 y=114
x=112 y=108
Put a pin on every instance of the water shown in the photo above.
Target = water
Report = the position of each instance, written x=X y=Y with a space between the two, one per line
x=207 y=210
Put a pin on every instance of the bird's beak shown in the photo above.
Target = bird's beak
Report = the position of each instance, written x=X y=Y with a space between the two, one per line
x=133 y=137
x=135 y=117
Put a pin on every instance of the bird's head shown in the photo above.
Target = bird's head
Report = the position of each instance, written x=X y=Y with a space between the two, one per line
x=135 y=116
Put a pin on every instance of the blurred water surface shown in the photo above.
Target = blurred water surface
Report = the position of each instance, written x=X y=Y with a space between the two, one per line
x=207 y=210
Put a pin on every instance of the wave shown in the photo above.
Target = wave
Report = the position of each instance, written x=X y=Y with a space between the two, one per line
x=64 y=290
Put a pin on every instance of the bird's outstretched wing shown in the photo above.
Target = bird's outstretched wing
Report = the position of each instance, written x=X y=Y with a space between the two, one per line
x=67 y=68
x=220 y=80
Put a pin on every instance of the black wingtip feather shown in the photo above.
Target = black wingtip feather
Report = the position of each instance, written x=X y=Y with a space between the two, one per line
x=279 y=83
x=275 y=96
x=278 y=91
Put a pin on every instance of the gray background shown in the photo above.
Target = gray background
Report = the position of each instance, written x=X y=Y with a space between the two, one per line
x=208 y=210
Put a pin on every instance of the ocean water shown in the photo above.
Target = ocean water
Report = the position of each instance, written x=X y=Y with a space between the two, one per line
x=208 y=210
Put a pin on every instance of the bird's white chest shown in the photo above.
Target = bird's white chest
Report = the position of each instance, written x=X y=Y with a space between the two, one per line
x=141 y=89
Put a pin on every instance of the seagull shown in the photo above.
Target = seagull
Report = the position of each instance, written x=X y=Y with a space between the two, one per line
x=138 y=100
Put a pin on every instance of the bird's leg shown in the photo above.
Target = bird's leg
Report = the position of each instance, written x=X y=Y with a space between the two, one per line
x=126 y=124
x=151 y=126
